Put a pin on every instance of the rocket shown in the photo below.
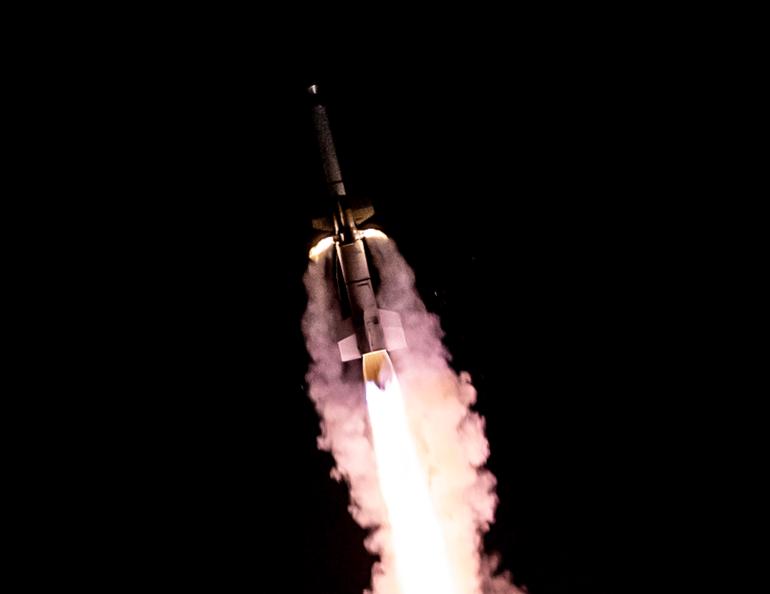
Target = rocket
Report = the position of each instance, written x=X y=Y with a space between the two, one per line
x=370 y=331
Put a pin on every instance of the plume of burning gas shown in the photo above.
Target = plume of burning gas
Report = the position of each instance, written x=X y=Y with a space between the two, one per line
x=448 y=436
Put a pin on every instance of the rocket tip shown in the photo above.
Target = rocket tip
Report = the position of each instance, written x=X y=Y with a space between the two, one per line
x=313 y=89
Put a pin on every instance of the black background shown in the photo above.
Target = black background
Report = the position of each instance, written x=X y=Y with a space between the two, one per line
x=528 y=184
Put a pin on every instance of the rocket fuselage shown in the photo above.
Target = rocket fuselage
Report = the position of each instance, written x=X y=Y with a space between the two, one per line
x=360 y=291
x=374 y=329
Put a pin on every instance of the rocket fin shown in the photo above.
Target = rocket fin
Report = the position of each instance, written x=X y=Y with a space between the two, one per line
x=360 y=207
x=349 y=348
x=393 y=330
x=323 y=224
x=363 y=214
x=394 y=338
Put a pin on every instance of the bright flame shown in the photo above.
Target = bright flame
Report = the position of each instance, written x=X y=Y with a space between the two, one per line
x=324 y=244
x=373 y=234
x=421 y=559
x=318 y=249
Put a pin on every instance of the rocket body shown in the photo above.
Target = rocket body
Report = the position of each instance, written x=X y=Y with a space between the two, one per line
x=369 y=329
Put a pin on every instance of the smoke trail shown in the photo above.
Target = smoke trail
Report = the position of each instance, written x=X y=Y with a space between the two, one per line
x=449 y=436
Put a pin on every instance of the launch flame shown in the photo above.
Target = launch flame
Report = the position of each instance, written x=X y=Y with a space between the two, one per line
x=317 y=251
x=418 y=543
x=412 y=451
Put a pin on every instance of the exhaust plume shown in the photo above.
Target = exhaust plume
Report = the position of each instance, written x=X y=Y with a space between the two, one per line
x=449 y=442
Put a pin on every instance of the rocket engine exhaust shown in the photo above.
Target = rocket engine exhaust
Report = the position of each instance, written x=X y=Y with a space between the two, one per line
x=378 y=368
x=419 y=547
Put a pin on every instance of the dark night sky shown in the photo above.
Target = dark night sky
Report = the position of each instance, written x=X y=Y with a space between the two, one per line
x=523 y=189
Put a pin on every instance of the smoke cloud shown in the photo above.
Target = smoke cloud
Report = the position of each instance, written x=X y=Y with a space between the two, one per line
x=448 y=434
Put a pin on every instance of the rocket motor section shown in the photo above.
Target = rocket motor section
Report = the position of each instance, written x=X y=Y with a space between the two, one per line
x=358 y=283
x=370 y=328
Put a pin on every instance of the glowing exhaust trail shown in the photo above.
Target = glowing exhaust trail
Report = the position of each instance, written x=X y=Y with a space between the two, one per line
x=418 y=544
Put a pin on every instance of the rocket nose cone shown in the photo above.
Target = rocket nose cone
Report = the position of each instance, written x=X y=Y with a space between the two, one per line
x=313 y=89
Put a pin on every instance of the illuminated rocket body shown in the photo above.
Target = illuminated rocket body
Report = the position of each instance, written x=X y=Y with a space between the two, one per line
x=369 y=329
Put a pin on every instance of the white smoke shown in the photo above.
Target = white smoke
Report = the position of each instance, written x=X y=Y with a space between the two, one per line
x=449 y=435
